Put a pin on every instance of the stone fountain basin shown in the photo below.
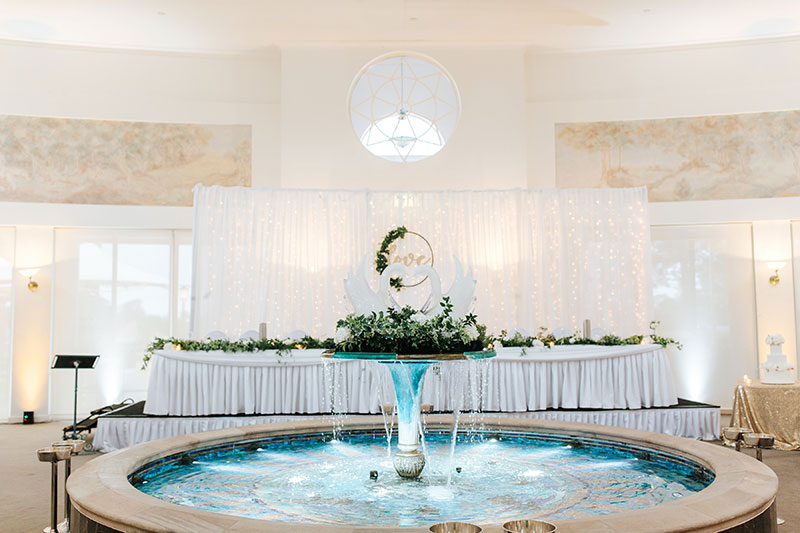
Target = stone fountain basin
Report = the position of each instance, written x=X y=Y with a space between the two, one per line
x=741 y=496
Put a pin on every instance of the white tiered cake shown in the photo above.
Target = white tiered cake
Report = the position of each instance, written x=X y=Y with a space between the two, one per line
x=777 y=369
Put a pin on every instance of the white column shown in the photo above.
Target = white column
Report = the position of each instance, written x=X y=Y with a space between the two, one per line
x=775 y=311
x=30 y=374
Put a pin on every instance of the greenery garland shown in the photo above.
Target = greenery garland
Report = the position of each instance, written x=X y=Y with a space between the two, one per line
x=404 y=331
x=283 y=346
x=546 y=339
x=382 y=258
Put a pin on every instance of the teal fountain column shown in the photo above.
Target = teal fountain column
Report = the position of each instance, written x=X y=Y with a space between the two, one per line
x=408 y=373
x=407 y=377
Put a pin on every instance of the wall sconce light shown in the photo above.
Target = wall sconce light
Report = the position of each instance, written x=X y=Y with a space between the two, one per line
x=29 y=273
x=776 y=266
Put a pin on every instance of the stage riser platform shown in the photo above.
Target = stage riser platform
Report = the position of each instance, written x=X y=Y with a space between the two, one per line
x=119 y=432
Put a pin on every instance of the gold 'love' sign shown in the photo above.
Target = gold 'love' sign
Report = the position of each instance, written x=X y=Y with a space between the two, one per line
x=410 y=249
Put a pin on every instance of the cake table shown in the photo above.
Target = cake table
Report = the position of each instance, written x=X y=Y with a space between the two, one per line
x=767 y=408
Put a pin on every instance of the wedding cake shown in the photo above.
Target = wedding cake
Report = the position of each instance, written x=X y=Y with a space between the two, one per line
x=776 y=369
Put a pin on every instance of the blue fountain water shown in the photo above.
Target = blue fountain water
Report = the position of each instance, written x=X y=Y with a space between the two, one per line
x=314 y=479
x=407 y=378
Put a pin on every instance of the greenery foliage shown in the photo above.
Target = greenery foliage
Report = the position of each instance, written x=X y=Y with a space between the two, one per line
x=283 y=346
x=407 y=331
x=382 y=258
x=546 y=338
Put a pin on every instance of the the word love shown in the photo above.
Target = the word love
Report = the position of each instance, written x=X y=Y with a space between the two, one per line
x=408 y=259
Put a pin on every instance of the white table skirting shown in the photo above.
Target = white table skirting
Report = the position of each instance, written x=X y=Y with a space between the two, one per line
x=114 y=433
x=693 y=422
x=218 y=383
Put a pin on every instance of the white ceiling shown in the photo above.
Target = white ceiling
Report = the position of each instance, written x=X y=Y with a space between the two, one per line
x=249 y=25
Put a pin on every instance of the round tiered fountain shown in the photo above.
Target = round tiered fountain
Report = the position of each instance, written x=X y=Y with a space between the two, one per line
x=296 y=477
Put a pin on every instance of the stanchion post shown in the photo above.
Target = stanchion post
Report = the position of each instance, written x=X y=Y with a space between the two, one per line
x=53 y=455
x=74 y=446
x=54 y=497
x=76 y=364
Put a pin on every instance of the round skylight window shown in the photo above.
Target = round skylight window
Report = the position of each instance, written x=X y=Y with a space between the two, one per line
x=403 y=107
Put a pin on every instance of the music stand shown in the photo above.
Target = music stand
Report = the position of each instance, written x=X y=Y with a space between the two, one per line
x=77 y=362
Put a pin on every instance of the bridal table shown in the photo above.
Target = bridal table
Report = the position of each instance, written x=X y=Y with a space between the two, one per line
x=187 y=383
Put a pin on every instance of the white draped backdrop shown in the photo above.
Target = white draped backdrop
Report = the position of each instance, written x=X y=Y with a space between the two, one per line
x=541 y=257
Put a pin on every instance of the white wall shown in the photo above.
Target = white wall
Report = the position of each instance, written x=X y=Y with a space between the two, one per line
x=32 y=322
x=91 y=83
x=320 y=150
x=656 y=83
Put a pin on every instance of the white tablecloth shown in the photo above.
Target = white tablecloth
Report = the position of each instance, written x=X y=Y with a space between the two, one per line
x=595 y=377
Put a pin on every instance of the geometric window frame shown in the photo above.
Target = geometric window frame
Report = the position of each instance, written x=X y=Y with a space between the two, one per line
x=403 y=106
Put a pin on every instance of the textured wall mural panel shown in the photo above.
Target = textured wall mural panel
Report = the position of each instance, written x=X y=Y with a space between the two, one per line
x=111 y=162
x=754 y=155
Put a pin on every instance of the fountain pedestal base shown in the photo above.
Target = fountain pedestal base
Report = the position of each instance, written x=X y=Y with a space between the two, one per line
x=409 y=464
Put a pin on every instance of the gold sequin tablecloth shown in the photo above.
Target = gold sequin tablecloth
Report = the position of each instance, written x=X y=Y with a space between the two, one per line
x=771 y=409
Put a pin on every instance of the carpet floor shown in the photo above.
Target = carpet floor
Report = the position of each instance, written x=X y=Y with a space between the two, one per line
x=25 y=482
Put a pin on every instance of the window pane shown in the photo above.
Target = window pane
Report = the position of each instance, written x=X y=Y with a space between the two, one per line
x=703 y=294
x=96 y=261
x=183 y=294
x=147 y=263
x=112 y=297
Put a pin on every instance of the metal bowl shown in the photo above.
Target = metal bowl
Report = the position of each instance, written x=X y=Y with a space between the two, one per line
x=75 y=444
x=528 y=526
x=455 y=527
x=53 y=454
x=734 y=433
x=759 y=440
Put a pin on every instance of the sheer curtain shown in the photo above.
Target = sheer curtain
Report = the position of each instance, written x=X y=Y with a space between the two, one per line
x=541 y=258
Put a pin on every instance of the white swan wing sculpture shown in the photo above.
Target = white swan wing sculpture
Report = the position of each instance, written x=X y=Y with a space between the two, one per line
x=461 y=293
x=360 y=294
x=365 y=300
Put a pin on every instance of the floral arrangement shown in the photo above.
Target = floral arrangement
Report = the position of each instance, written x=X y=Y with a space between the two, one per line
x=382 y=257
x=775 y=339
x=407 y=331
